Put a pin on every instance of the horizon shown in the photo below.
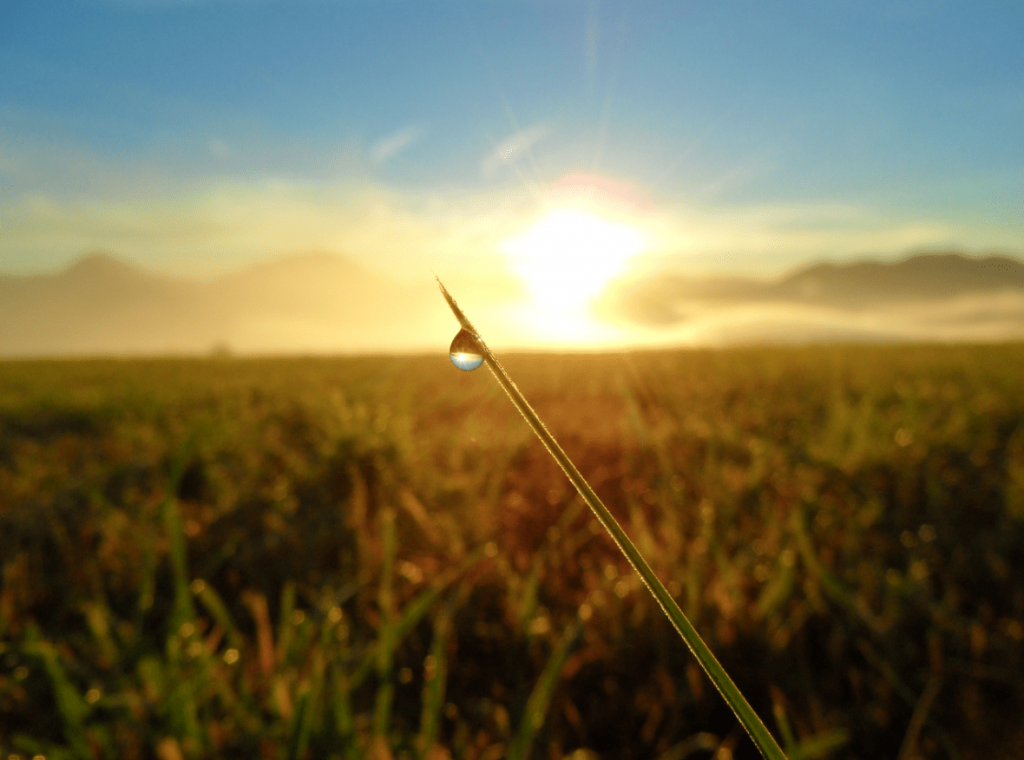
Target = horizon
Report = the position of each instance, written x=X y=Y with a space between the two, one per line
x=324 y=304
x=308 y=255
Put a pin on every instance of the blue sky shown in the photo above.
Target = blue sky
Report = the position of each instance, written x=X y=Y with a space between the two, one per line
x=193 y=137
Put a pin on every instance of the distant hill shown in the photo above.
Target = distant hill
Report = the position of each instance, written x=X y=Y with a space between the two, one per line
x=312 y=302
x=667 y=299
x=923 y=277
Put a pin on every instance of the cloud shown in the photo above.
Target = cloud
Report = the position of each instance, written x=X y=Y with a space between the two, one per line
x=388 y=147
x=211 y=227
x=767 y=239
x=512 y=148
x=59 y=202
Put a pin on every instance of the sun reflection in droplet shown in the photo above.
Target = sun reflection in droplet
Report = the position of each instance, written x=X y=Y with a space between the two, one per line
x=465 y=351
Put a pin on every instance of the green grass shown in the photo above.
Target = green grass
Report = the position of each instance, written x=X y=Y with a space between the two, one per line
x=317 y=557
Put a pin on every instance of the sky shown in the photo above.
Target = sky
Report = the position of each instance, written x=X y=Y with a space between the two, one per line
x=525 y=142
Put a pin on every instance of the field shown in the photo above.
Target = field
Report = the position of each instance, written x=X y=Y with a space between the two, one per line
x=375 y=558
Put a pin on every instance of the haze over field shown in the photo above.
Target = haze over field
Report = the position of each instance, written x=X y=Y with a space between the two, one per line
x=322 y=303
x=286 y=177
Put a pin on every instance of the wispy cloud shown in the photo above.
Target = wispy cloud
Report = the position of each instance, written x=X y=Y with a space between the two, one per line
x=512 y=148
x=388 y=147
x=767 y=239
x=58 y=202
x=212 y=227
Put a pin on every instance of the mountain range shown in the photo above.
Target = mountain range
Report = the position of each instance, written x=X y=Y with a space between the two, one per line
x=667 y=299
x=313 y=303
x=324 y=303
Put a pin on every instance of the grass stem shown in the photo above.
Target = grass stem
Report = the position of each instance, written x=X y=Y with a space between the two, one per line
x=762 y=738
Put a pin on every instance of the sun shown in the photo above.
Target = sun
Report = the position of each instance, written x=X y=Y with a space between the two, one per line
x=567 y=257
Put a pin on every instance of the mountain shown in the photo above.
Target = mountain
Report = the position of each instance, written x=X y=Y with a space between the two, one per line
x=668 y=299
x=315 y=302
x=923 y=277
x=80 y=309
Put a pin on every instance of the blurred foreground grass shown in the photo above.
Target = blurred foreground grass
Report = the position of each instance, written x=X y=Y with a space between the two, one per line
x=375 y=557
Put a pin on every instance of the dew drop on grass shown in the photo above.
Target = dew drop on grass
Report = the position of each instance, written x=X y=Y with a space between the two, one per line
x=465 y=352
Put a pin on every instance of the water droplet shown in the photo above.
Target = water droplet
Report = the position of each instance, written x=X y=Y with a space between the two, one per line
x=465 y=352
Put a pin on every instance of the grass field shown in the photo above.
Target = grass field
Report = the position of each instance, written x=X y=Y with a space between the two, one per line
x=375 y=557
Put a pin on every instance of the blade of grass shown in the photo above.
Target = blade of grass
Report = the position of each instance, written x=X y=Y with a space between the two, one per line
x=832 y=586
x=302 y=724
x=540 y=697
x=385 y=650
x=340 y=703
x=284 y=623
x=917 y=720
x=412 y=613
x=147 y=584
x=529 y=598
x=70 y=705
x=762 y=738
x=820 y=745
x=215 y=606
x=435 y=680
x=183 y=609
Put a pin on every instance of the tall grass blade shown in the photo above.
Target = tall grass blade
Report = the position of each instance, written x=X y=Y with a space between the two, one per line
x=183 y=609
x=762 y=738
x=529 y=599
x=832 y=586
x=215 y=606
x=385 y=650
x=284 y=623
x=147 y=583
x=70 y=705
x=435 y=677
x=540 y=697
x=341 y=704
x=820 y=745
x=302 y=724
x=411 y=614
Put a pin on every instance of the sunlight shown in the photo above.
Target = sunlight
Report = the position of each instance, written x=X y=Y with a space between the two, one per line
x=565 y=259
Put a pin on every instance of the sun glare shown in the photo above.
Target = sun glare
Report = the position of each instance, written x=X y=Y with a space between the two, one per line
x=566 y=258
